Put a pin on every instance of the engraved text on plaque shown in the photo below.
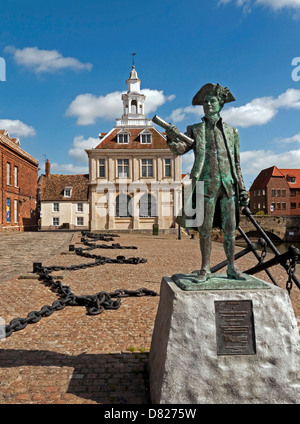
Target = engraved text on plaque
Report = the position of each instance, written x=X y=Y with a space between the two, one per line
x=235 y=327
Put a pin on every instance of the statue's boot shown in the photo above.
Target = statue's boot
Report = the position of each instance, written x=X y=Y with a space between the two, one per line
x=205 y=248
x=232 y=271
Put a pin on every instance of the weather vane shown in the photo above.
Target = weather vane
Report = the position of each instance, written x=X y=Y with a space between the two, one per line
x=133 y=54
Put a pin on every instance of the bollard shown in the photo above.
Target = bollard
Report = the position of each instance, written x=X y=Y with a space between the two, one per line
x=36 y=266
x=155 y=229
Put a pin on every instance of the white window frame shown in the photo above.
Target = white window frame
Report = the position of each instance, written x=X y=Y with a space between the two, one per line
x=55 y=207
x=16 y=176
x=67 y=190
x=121 y=164
x=121 y=137
x=8 y=170
x=146 y=137
x=55 y=221
x=169 y=166
x=102 y=166
x=16 y=211
x=79 y=218
x=146 y=166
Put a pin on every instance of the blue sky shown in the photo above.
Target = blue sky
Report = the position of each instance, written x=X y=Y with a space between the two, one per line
x=67 y=62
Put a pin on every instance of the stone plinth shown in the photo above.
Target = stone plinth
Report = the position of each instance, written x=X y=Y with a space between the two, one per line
x=203 y=351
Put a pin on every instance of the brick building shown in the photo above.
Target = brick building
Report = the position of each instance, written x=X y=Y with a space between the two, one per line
x=276 y=191
x=18 y=186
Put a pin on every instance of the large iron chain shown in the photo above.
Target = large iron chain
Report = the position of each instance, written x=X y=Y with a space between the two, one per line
x=94 y=304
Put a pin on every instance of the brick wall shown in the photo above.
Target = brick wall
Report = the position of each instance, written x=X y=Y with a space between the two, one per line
x=278 y=193
x=22 y=194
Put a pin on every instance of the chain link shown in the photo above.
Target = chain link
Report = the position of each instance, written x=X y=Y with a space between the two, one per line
x=95 y=304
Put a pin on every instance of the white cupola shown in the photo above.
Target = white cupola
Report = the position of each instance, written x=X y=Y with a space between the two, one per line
x=133 y=104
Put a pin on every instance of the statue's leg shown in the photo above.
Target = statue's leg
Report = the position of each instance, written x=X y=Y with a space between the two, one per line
x=228 y=211
x=205 y=236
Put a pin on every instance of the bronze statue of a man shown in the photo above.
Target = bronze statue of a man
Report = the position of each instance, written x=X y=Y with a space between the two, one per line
x=217 y=163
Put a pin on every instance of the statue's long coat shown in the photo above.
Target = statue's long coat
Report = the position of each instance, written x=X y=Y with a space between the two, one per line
x=231 y=137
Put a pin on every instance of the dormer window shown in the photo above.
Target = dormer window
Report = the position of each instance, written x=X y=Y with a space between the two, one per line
x=123 y=137
x=146 y=137
x=67 y=191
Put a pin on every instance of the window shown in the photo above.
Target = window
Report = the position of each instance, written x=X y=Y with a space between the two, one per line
x=167 y=167
x=16 y=176
x=258 y=206
x=274 y=206
x=147 y=168
x=278 y=192
x=123 y=138
x=258 y=192
x=123 y=168
x=292 y=179
x=123 y=206
x=101 y=168
x=8 y=173
x=283 y=205
x=80 y=207
x=15 y=211
x=263 y=192
x=146 y=137
x=293 y=192
x=273 y=193
x=7 y=210
x=55 y=221
x=147 y=206
x=278 y=205
x=55 y=207
x=293 y=205
x=79 y=220
x=67 y=191
x=283 y=193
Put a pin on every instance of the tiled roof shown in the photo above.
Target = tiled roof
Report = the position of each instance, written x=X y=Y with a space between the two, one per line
x=292 y=173
x=13 y=144
x=264 y=176
x=52 y=187
x=109 y=141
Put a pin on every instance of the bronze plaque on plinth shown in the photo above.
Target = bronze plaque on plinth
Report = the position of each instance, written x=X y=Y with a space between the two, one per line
x=235 y=327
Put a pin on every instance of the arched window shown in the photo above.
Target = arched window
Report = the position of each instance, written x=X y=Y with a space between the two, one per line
x=148 y=207
x=123 y=206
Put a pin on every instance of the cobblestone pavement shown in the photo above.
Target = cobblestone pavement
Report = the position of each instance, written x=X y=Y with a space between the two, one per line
x=19 y=250
x=70 y=357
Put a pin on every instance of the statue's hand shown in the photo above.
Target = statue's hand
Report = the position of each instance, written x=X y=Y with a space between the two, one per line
x=172 y=133
x=244 y=198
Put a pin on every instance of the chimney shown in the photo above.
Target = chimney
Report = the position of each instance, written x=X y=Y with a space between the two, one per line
x=47 y=168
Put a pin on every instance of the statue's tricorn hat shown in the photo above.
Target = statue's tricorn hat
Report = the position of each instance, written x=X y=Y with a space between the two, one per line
x=222 y=93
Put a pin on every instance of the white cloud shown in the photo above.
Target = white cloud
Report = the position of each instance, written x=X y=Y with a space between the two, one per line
x=68 y=168
x=181 y=113
x=253 y=161
x=273 y=4
x=88 y=107
x=79 y=145
x=45 y=60
x=258 y=111
x=17 y=128
x=294 y=139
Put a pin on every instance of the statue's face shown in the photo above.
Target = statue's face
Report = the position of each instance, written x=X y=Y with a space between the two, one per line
x=211 y=105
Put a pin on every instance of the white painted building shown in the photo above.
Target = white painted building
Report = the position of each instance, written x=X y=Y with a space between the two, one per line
x=63 y=201
x=132 y=172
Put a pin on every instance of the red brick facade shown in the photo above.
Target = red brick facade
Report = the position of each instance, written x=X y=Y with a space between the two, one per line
x=276 y=188
x=18 y=186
